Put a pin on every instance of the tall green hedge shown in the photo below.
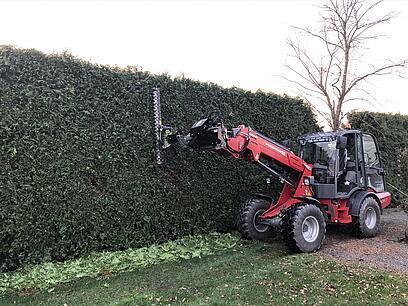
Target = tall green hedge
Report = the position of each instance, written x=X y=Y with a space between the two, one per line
x=76 y=153
x=391 y=132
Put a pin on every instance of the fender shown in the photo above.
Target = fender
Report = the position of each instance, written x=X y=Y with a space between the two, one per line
x=311 y=200
x=357 y=198
x=317 y=203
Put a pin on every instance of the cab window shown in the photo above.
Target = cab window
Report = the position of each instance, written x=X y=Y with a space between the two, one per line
x=373 y=169
x=370 y=152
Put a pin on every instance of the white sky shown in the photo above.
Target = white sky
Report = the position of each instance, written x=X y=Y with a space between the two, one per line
x=232 y=43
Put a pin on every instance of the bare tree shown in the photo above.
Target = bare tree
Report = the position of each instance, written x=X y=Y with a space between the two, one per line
x=338 y=74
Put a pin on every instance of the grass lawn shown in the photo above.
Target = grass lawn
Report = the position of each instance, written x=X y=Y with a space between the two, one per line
x=252 y=273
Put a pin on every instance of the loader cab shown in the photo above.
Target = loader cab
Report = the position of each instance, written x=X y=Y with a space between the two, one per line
x=343 y=162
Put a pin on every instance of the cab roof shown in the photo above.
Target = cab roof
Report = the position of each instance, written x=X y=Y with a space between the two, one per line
x=326 y=136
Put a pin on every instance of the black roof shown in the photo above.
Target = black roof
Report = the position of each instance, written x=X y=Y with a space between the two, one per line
x=327 y=136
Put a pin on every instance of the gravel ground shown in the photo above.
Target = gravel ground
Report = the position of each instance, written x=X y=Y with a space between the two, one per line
x=385 y=251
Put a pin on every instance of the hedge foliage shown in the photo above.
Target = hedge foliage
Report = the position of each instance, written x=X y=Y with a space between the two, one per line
x=76 y=151
x=391 y=132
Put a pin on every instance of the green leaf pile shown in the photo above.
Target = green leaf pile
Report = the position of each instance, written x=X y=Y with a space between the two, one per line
x=77 y=168
x=99 y=264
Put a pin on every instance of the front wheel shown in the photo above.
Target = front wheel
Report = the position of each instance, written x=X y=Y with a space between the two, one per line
x=249 y=223
x=303 y=228
x=367 y=224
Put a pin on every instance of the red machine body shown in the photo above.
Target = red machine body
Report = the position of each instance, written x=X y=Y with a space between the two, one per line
x=293 y=192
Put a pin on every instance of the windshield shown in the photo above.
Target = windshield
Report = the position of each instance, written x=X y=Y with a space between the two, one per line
x=319 y=152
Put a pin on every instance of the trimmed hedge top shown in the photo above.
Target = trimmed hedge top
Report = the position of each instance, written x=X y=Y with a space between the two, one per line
x=77 y=166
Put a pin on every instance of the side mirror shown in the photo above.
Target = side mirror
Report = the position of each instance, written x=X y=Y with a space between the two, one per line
x=341 y=142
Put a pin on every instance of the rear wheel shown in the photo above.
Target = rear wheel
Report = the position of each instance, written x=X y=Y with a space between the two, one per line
x=249 y=222
x=303 y=228
x=367 y=224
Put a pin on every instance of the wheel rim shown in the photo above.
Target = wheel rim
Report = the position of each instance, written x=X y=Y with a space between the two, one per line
x=261 y=228
x=370 y=218
x=310 y=229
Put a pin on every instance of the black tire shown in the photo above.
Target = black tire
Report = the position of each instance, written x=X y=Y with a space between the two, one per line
x=367 y=224
x=303 y=228
x=247 y=220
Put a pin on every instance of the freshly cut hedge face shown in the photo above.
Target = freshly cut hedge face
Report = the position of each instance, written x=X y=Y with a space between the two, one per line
x=77 y=167
x=391 y=132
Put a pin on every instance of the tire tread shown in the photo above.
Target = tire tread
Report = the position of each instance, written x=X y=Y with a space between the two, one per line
x=288 y=227
x=359 y=227
x=244 y=223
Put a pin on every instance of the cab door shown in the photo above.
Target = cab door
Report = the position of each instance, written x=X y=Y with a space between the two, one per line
x=374 y=171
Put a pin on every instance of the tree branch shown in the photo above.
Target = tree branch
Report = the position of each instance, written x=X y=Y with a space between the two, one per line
x=380 y=71
x=346 y=26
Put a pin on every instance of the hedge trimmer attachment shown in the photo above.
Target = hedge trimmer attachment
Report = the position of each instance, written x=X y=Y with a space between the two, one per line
x=206 y=134
x=158 y=128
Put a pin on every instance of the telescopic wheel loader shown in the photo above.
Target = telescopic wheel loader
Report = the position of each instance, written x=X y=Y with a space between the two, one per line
x=338 y=177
